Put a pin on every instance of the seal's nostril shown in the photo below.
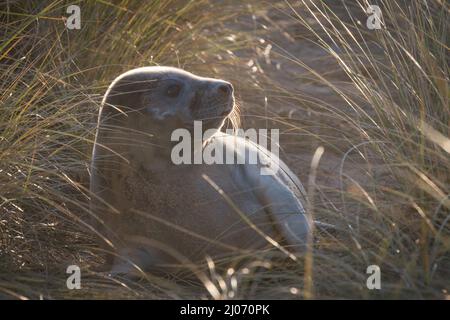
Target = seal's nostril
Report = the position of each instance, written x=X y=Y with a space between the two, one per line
x=224 y=89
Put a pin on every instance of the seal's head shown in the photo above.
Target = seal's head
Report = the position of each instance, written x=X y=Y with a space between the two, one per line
x=169 y=98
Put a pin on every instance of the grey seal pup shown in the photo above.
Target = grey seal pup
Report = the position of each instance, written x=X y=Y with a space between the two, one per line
x=153 y=213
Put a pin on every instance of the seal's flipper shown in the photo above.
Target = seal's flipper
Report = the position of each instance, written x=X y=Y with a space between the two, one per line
x=277 y=189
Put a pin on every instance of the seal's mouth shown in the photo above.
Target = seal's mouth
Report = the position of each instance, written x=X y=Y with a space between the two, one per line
x=210 y=111
x=229 y=108
x=205 y=108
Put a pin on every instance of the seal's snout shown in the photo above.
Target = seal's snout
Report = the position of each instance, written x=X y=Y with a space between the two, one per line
x=222 y=93
x=224 y=89
x=213 y=101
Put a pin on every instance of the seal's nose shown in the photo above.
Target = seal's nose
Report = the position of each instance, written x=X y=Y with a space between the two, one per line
x=224 y=89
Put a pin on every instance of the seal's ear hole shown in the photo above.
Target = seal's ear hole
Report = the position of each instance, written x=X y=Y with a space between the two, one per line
x=173 y=90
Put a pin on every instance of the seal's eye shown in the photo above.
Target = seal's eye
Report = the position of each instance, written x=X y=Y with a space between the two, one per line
x=173 y=90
